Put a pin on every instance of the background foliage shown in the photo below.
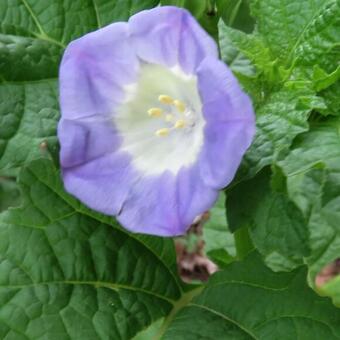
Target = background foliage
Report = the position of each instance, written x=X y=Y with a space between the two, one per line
x=67 y=272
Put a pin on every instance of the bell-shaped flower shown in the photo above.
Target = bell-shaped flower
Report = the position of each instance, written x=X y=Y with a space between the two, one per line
x=153 y=125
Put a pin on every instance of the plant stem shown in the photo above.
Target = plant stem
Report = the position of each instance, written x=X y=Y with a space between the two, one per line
x=243 y=243
x=181 y=303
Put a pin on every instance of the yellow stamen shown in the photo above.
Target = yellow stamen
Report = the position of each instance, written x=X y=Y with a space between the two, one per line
x=180 y=124
x=179 y=105
x=155 y=112
x=162 y=132
x=165 y=99
x=169 y=118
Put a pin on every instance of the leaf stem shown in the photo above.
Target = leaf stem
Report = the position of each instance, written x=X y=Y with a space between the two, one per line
x=181 y=303
x=243 y=242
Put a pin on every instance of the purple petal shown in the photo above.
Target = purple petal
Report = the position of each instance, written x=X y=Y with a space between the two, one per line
x=94 y=70
x=166 y=205
x=103 y=183
x=230 y=123
x=222 y=97
x=170 y=36
x=84 y=140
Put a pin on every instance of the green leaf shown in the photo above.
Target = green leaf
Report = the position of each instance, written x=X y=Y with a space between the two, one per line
x=276 y=225
x=236 y=13
x=59 y=22
x=249 y=45
x=27 y=59
x=322 y=80
x=33 y=35
x=279 y=120
x=249 y=301
x=332 y=98
x=67 y=272
x=306 y=30
x=219 y=243
x=28 y=121
x=231 y=52
x=150 y=332
x=313 y=183
x=283 y=99
x=9 y=193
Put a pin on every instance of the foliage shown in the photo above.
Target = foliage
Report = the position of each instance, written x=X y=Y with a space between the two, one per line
x=70 y=273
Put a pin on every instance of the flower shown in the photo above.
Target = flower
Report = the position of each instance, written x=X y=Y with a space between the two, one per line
x=153 y=125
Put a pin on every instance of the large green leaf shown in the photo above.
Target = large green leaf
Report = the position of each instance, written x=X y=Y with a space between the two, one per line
x=279 y=120
x=33 y=35
x=69 y=273
x=283 y=99
x=332 y=98
x=232 y=54
x=308 y=30
x=246 y=46
x=313 y=182
x=61 y=21
x=276 y=225
x=9 y=193
x=248 y=301
x=28 y=119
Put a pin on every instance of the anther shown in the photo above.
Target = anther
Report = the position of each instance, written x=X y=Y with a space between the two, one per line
x=180 y=124
x=179 y=105
x=165 y=99
x=169 y=118
x=162 y=132
x=155 y=112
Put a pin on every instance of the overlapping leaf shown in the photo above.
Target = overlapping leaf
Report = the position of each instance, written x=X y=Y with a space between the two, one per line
x=219 y=243
x=33 y=35
x=69 y=273
x=306 y=30
x=313 y=182
x=248 y=301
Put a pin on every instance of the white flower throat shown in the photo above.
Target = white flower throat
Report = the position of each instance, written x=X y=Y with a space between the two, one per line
x=160 y=120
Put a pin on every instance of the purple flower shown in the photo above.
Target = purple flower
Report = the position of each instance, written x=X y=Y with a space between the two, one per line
x=153 y=125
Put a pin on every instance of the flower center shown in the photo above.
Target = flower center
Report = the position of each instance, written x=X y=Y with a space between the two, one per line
x=161 y=103
x=176 y=115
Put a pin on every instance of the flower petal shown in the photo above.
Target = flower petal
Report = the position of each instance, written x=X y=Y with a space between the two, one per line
x=223 y=149
x=230 y=123
x=84 y=140
x=103 y=183
x=94 y=70
x=222 y=97
x=166 y=205
x=170 y=36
